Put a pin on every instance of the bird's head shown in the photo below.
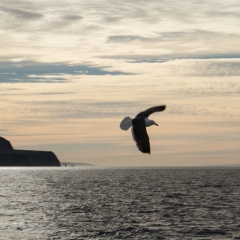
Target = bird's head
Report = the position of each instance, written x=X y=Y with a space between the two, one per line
x=150 y=122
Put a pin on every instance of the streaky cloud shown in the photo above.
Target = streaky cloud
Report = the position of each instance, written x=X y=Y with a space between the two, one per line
x=21 y=13
x=72 y=17
x=170 y=57
x=126 y=38
x=30 y=71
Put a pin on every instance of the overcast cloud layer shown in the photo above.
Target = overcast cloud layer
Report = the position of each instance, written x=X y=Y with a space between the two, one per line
x=76 y=30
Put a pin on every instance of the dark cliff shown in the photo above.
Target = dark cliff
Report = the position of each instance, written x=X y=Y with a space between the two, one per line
x=5 y=144
x=11 y=157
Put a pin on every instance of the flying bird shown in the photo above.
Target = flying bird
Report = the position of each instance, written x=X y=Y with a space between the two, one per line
x=139 y=124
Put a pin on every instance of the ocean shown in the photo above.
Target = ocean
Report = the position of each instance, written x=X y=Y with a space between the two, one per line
x=120 y=203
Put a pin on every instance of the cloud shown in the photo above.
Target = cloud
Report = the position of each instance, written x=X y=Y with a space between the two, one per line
x=200 y=68
x=194 y=44
x=163 y=37
x=112 y=19
x=27 y=71
x=74 y=109
x=34 y=94
x=169 y=57
x=102 y=28
x=229 y=12
x=126 y=38
x=180 y=65
x=181 y=36
x=72 y=17
x=61 y=21
x=23 y=14
x=221 y=68
x=54 y=93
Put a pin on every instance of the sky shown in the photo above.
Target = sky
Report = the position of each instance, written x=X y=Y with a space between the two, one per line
x=70 y=71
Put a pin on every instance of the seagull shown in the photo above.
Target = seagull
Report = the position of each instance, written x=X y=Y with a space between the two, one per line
x=139 y=124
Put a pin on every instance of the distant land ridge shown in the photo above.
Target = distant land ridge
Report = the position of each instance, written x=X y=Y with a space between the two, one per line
x=17 y=158
x=76 y=164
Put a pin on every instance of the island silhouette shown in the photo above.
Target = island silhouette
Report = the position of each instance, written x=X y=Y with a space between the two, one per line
x=21 y=158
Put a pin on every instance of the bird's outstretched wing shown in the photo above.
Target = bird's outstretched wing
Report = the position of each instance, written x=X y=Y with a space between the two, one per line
x=151 y=110
x=140 y=135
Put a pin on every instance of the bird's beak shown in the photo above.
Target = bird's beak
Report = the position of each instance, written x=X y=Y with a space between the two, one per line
x=156 y=124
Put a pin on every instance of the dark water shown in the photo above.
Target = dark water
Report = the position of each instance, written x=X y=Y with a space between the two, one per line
x=137 y=203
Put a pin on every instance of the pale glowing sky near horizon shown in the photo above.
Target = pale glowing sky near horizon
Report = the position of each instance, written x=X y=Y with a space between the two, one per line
x=70 y=71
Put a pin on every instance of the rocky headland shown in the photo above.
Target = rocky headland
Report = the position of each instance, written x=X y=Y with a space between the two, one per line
x=21 y=158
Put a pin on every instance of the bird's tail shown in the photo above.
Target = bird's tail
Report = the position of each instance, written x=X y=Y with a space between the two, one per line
x=126 y=123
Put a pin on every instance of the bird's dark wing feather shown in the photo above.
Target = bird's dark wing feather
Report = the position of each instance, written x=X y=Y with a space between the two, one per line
x=144 y=146
x=140 y=135
x=151 y=110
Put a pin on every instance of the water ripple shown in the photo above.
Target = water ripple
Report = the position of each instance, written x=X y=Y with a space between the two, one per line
x=140 y=203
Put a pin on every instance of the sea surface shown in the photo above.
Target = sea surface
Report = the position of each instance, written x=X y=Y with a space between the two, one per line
x=119 y=203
